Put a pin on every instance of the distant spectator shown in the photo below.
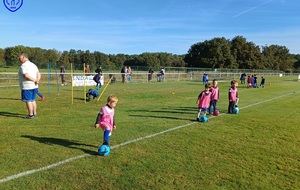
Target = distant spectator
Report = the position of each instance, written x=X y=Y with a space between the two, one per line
x=123 y=72
x=150 y=73
x=87 y=69
x=129 y=72
x=162 y=74
x=243 y=78
x=62 y=75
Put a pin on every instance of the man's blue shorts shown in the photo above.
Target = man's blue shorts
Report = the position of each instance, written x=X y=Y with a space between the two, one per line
x=29 y=95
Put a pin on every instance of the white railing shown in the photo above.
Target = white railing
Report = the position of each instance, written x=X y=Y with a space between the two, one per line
x=11 y=79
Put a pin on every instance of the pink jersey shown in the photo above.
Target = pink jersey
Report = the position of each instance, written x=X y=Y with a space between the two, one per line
x=204 y=99
x=214 y=93
x=107 y=117
x=232 y=94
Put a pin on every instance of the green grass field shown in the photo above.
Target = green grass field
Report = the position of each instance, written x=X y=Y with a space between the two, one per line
x=157 y=144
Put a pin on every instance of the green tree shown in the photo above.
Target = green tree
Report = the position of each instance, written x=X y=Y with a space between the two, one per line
x=277 y=58
x=12 y=55
x=87 y=58
x=73 y=56
x=101 y=59
x=246 y=54
x=64 y=59
x=178 y=61
x=213 y=53
x=165 y=59
x=37 y=56
x=150 y=60
x=297 y=61
x=52 y=55
x=2 y=57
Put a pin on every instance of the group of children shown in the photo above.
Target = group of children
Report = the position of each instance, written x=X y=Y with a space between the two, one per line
x=207 y=102
x=252 y=82
x=208 y=98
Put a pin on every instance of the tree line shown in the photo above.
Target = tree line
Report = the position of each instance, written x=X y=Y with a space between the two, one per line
x=236 y=53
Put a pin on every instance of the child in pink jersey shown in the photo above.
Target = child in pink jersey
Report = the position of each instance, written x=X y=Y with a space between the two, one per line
x=105 y=118
x=233 y=96
x=214 y=96
x=203 y=101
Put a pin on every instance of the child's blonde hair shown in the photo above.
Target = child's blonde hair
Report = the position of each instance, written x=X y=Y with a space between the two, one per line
x=234 y=82
x=112 y=98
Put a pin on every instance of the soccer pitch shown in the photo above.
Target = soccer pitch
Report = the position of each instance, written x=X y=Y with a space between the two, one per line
x=157 y=144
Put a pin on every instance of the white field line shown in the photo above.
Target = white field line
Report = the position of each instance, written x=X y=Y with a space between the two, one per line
x=12 y=177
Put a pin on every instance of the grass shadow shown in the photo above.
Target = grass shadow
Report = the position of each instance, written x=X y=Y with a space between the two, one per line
x=62 y=142
x=11 y=99
x=9 y=114
x=163 y=117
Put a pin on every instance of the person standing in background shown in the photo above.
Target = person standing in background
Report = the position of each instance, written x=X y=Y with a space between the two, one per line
x=29 y=78
x=262 y=82
x=123 y=73
x=62 y=75
x=87 y=69
x=243 y=78
x=129 y=72
x=150 y=73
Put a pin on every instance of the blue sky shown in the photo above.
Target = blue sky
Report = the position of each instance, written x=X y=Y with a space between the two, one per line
x=137 y=26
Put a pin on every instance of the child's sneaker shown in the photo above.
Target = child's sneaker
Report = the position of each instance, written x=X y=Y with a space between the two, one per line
x=30 y=117
x=43 y=98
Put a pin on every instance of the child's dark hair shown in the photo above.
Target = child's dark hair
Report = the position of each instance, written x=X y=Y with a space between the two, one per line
x=207 y=85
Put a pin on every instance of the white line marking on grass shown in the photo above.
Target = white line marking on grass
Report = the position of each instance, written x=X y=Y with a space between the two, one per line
x=153 y=135
x=12 y=177
x=84 y=155
x=269 y=100
x=42 y=168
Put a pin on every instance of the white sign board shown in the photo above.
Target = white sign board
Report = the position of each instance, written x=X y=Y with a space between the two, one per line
x=86 y=80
